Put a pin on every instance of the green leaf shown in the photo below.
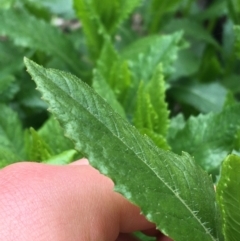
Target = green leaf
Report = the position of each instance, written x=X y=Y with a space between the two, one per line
x=174 y=186
x=187 y=63
x=234 y=10
x=21 y=27
x=192 y=29
x=10 y=58
x=209 y=138
x=158 y=10
x=103 y=89
x=204 y=97
x=177 y=123
x=49 y=131
x=92 y=27
x=113 y=13
x=151 y=114
x=11 y=133
x=107 y=60
x=228 y=197
x=64 y=158
x=8 y=88
x=145 y=54
x=37 y=148
x=7 y=157
x=101 y=19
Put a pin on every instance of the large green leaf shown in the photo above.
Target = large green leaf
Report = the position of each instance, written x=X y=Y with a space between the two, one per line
x=228 y=197
x=28 y=31
x=171 y=190
x=209 y=138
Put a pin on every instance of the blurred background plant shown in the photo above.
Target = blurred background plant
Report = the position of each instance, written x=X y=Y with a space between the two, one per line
x=171 y=69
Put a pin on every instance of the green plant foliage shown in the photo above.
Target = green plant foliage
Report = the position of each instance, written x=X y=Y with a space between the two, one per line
x=237 y=40
x=209 y=138
x=151 y=115
x=158 y=10
x=19 y=26
x=8 y=88
x=234 y=9
x=172 y=203
x=228 y=197
x=192 y=29
x=11 y=136
x=103 y=89
x=204 y=97
x=48 y=133
x=38 y=149
x=169 y=68
x=101 y=19
x=64 y=158
x=145 y=54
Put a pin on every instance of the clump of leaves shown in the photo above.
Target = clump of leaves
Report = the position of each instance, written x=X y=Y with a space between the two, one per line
x=151 y=101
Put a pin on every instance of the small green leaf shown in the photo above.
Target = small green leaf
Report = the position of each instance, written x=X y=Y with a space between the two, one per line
x=64 y=158
x=209 y=138
x=174 y=186
x=228 y=197
x=37 y=148
x=151 y=114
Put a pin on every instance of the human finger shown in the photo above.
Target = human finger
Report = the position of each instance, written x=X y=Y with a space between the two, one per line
x=41 y=202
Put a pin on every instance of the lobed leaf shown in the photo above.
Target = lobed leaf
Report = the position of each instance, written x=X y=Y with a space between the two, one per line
x=169 y=188
x=228 y=197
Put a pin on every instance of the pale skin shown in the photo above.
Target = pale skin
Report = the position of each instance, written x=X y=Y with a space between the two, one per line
x=65 y=203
